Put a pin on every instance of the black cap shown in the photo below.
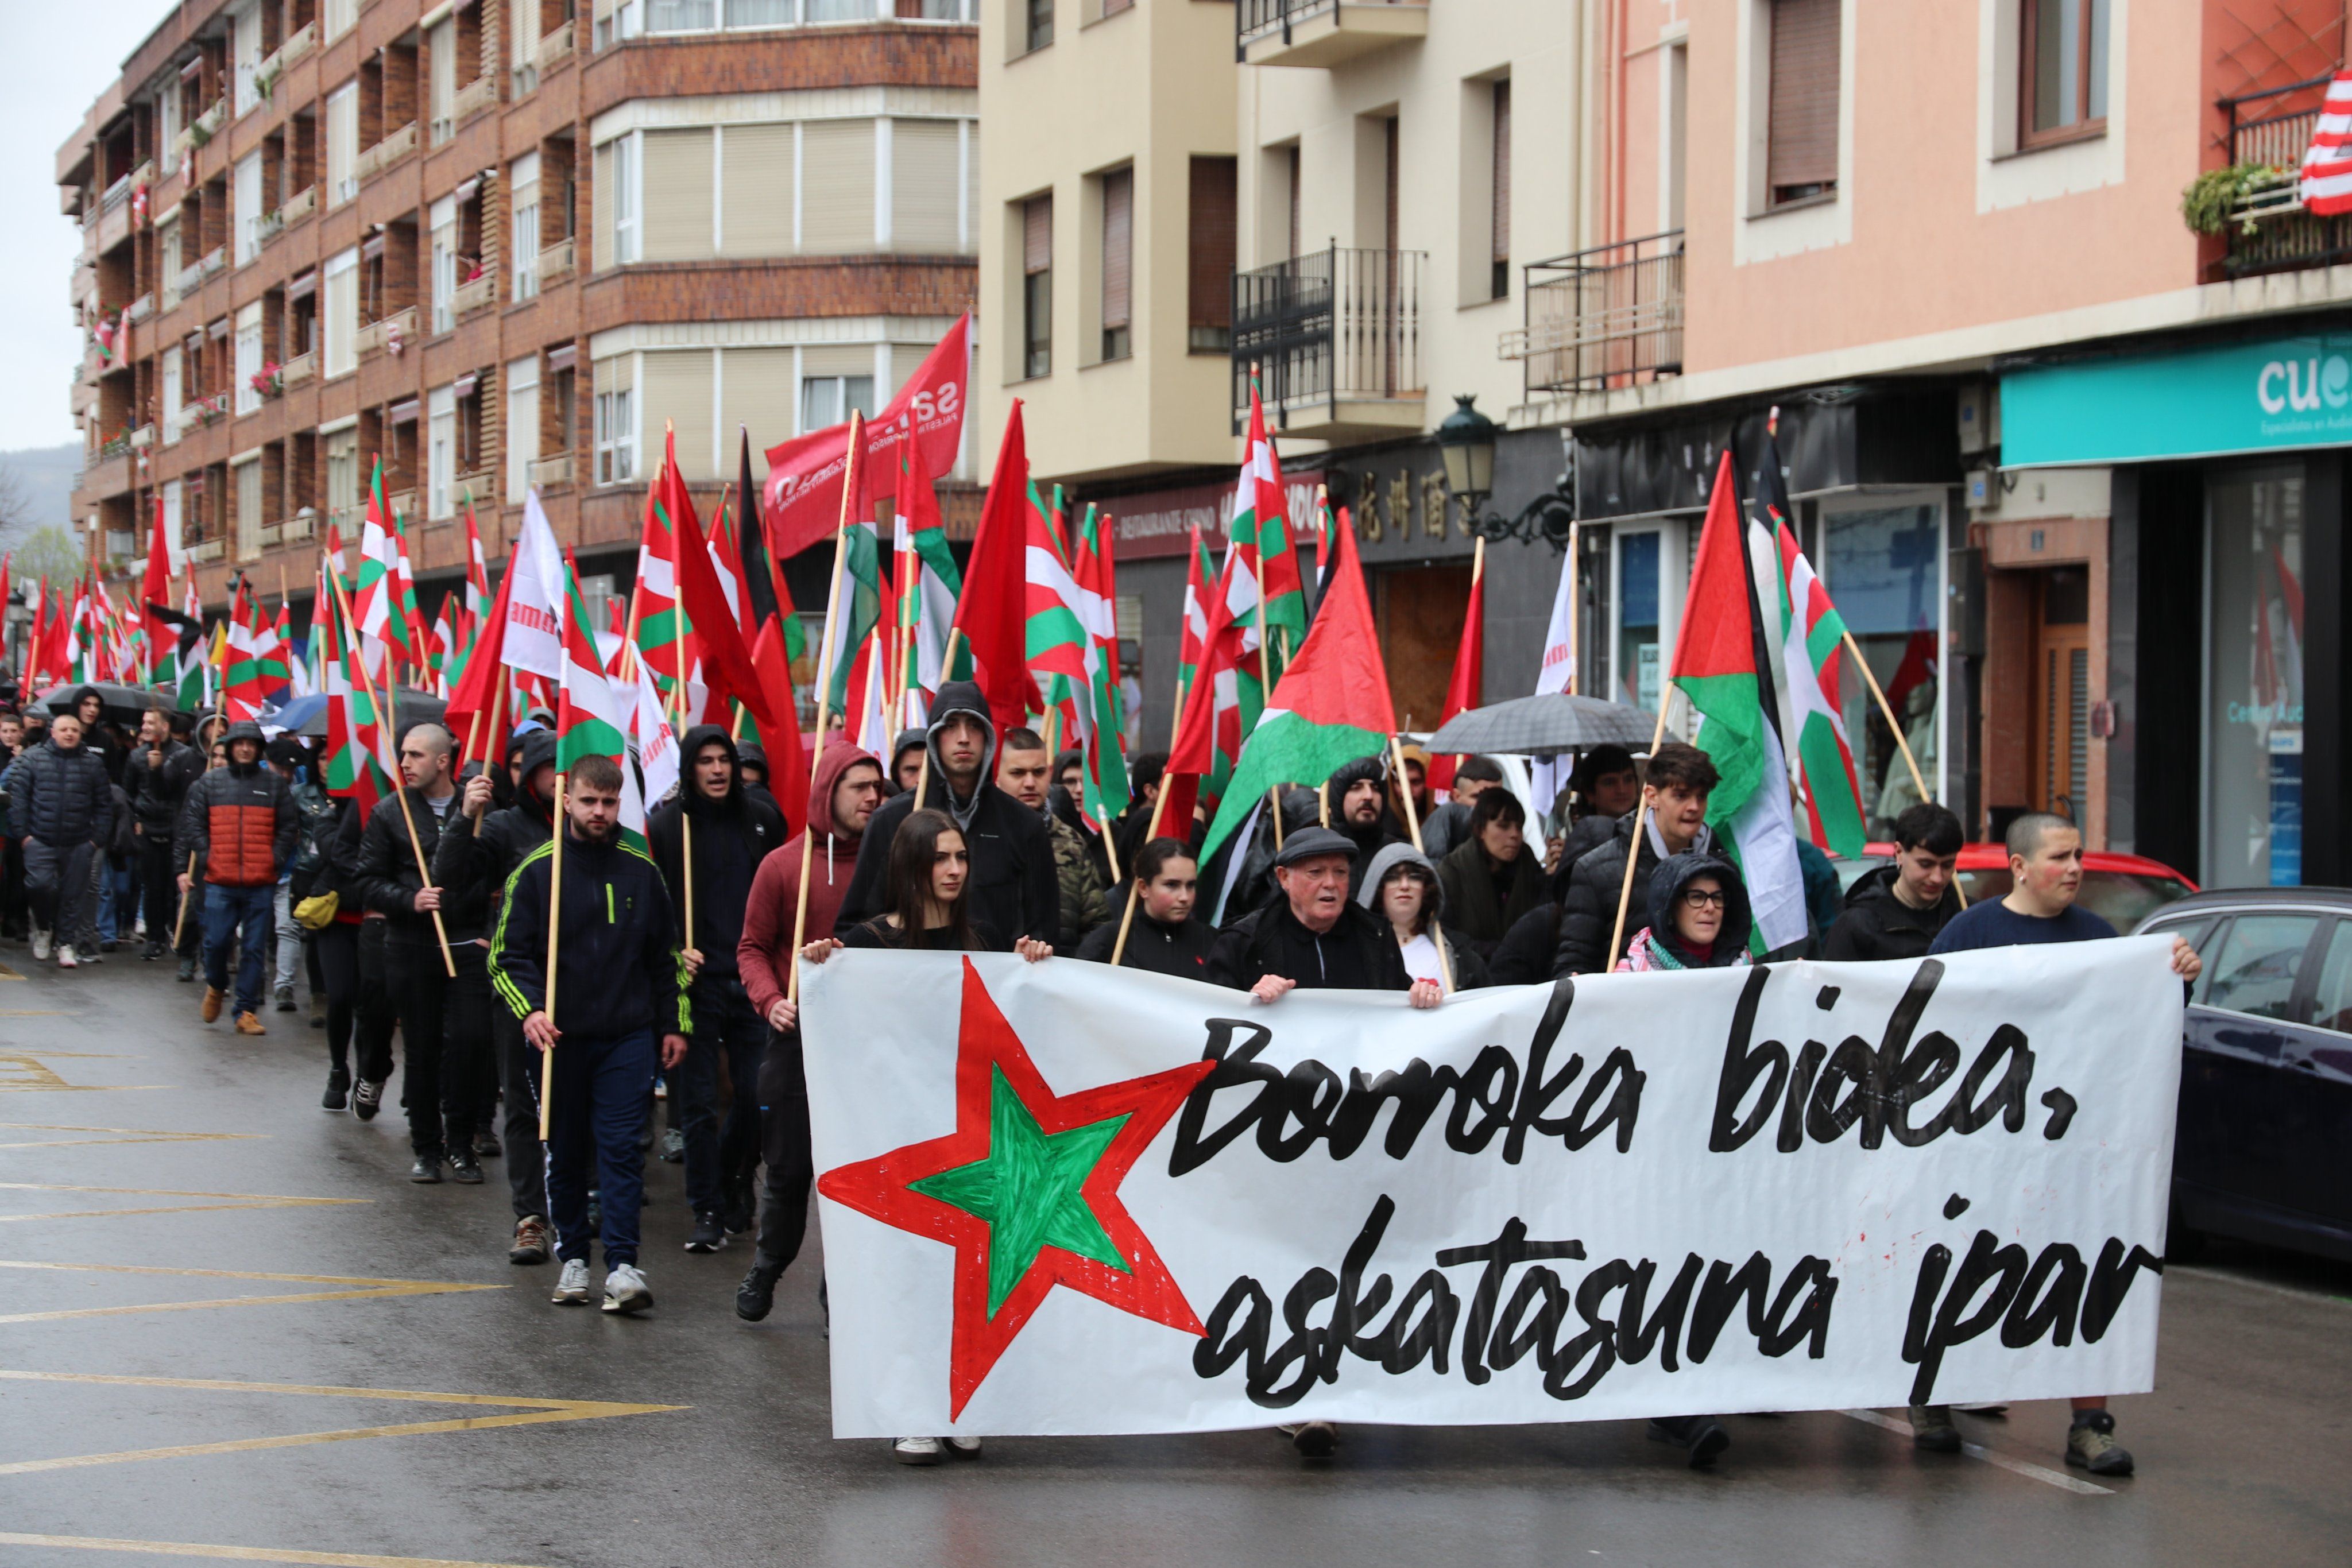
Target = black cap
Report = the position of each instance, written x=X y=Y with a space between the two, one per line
x=1310 y=843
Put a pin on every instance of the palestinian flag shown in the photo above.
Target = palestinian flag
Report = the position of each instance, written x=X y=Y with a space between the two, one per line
x=1812 y=653
x=1469 y=671
x=1331 y=707
x=1723 y=667
x=591 y=717
x=1261 y=535
x=858 y=611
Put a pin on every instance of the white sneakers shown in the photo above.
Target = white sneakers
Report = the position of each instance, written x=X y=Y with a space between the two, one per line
x=931 y=1450
x=571 y=1285
x=66 y=960
x=40 y=946
x=624 y=1289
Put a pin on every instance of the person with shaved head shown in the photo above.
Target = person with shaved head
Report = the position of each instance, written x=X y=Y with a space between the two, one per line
x=444 y=1021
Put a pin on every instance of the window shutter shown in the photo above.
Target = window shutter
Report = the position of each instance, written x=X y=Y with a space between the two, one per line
x=677 y=390
x=1502 y=220
x=1118 y=245
x=1803 y=113
x=677 y=186
x=1210 y=266
x=756 y=184
x=1037 y=235
x=923 y=192
x=836 y=187
x=837 y=359
x=755 y=393
x=600 y=195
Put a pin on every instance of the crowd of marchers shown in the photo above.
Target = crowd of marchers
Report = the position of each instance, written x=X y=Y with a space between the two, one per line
x=427 y=919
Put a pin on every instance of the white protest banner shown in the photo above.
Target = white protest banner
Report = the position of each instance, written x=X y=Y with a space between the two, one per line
x=1065 y=1198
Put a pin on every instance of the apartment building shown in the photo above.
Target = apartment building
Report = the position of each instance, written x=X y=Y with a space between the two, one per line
x=1106 y=259
x=500 y=245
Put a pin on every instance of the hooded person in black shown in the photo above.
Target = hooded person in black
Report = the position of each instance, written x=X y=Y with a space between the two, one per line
x=1360 y=808
x=1013 y=891
x=481 y=847
x=751 y=763
x=1667 y=939
x=733 y=831
x=906 y=758
x=1161 y=935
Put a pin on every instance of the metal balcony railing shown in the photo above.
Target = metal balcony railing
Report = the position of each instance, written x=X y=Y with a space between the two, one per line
x=2270 y=231
x=1338 y=324
x=1609 y=316
x=1257 y=19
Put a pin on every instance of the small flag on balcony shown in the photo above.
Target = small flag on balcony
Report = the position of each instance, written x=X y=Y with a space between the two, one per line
x=2327 y=162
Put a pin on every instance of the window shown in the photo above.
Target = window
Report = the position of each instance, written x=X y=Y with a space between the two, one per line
x=2332 y=1001
x=623 y=192
x=244 y=196
x=2261 y=559
x=167 y=118
x=248 y=358
x=2255 y=971
x=1037 y=287
x=838 y=186
x=840 y=10
x=172 y=393
x=1802 y=117
x=760 y=13
x=755 y=393
x=343 y=143
x=616 y=429
x=247 y=476
x=1291 y=196
x=441 y=51
x=1118 y=260
x=523 y=177
x=174 y=519
x=168 y=247
x=339 y=316
x=524 y=54
x=925 y=187
x=755 y=191
x=341 y=16
x=2062 y=60
x=440 y=451
x=1209 y=264
x=1040 y=31
x=443 y=216
x=342 y=474
x=245 y=43
x=1499 y=284
x=680 y=15
x=826 y=401
x=675 y=196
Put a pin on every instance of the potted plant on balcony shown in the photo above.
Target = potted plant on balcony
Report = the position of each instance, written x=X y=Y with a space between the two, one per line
x=269 y=380
x=2242 y=192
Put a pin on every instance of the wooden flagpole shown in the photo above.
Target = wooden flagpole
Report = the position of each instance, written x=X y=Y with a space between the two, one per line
x=400 y=787
x=1159 y=804
x=496 y=758
x=1919 y=782
x=1641 y=823
x=1412 y=821
x=850 y=478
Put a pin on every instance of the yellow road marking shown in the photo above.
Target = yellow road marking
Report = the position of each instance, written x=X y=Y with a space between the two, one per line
x=240 y=1553
x=129 y=1135
x=534 y=1413
x=240 y=1200
x=367 y=1290
x=33 y=1012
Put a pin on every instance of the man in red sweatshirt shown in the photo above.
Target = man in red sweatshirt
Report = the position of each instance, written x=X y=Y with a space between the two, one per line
x=845 y=792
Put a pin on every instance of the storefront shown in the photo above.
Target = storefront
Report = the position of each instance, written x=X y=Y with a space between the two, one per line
x=2222 y=701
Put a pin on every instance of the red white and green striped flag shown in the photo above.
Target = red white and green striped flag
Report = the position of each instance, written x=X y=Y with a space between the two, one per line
x=478 y=574
x=1057 y=637
x=1095 y=570
x=1260 y=535
x=358 y=763
x=1723 y=667
x=927 y=585
x=1812 y=655
x=376 y=606
x=653 y=610
x=591 y=717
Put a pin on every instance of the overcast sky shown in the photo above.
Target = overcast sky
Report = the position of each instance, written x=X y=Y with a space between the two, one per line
x=71 y=50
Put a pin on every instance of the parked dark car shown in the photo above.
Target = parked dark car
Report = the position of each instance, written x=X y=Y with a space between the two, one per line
x=2265 y=1117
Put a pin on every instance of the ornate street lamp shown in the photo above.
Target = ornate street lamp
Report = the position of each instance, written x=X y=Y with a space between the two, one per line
x=1466 y=444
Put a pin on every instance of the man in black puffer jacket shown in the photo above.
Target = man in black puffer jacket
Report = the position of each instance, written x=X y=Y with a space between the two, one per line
x=1897 y=911
x=156 y=780
x=733 y=832
x=62 y=802
x=1680 y=779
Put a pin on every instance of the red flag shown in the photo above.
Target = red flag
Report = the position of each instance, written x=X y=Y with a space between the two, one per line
x=718 y=639
x=1469 y=672
x=154 y=590
x=476 y=688
x=991 y=611
x=788 y=769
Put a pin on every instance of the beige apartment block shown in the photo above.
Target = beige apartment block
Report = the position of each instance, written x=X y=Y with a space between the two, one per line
x=1105 y=241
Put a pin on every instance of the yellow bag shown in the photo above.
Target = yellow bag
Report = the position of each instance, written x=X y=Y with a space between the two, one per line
x=317 y=912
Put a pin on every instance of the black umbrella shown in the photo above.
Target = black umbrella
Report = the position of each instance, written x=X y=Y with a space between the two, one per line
x=1544 y=726
x=123 y=703
x=409 y=706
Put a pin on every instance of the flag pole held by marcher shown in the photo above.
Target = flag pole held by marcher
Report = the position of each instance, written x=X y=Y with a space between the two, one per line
x=849 y=482
x=1412 y=821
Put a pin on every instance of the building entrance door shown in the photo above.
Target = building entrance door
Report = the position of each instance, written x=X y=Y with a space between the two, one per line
x=2060 y=777
x=1419 y=611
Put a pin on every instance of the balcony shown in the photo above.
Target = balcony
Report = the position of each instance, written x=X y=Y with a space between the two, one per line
x=297 y=370
x=475 y=295
x=385 y=153
x=480 y=487
x=1336 y=338
x=142 y=436
x=476 y=96
x=555 y=263
x=207 y=126
x=554 y=48
x=207 y=550
x=548 y=471
x=403 y=504
x=392 y=333
x=298 y=207
x=1600 y=319
x=138 y=310
x=2267 y=229
x=301 y=42
x=1323 y=32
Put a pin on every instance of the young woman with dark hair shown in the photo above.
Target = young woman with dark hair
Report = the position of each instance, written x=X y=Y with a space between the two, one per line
x=1162 y=936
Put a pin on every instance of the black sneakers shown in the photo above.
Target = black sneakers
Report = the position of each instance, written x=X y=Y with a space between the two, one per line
x=709 y=1234
x=1702 y=1437
x=339 y=1089
x=464 y=1168
x=368 y=1099
x=755 y=1297
x=427 y=1170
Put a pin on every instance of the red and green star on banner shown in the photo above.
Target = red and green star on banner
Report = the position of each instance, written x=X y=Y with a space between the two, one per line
x=1026 y=1191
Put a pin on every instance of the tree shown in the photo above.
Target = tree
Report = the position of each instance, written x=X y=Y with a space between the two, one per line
x=47 y=550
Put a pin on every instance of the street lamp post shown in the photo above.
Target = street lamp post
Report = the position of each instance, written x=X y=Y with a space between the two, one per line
x=1465 y=442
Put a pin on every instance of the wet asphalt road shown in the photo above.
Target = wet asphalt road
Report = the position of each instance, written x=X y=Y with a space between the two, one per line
x=143 y=1156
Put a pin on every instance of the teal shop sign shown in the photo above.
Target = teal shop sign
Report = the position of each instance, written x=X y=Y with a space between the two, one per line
x=2271 y=396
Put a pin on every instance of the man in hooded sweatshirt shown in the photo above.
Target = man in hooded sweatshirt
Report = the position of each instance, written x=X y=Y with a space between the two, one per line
x=480 y=849
x=240 y=824
x=1357 y=793
x=734 y=832
x=1013 y=893
x=847 y=788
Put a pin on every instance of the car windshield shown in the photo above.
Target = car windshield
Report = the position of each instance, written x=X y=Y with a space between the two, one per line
x=2122 y=899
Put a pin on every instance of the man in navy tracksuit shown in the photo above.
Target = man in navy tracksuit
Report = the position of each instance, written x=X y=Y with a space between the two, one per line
x=621 y=986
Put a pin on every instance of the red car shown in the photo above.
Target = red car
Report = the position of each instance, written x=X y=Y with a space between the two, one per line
x=2122 y=890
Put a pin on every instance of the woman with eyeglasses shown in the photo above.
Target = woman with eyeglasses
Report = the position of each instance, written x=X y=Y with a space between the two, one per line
x=1698 y=917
